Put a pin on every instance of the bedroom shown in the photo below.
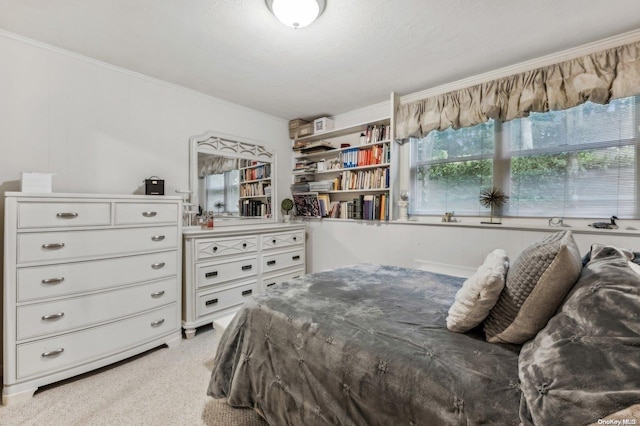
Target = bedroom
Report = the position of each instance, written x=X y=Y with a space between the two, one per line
x=103 y=124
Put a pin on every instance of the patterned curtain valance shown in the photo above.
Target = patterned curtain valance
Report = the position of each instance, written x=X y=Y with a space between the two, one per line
x=599 y=77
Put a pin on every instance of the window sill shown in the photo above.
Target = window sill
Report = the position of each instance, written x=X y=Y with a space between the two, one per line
x=626 y=227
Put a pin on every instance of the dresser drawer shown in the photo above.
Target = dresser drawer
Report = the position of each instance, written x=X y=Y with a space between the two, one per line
x=141 y=213
x=222 y=271
x=275 y=279
x=40 y=319
x=216 y=247
x=49 y=246
x=219 y=300
x=282 y=239
x=62 y=214
x=281 y=260
x=69 y=350
x=43 y=282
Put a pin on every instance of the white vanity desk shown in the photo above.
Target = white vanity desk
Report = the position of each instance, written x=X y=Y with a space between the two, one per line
x=226 y=265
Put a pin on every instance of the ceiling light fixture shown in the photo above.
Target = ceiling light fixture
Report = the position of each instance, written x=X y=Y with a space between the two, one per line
x=296 y=13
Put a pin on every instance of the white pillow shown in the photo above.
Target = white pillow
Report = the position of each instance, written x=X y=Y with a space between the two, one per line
x=479 y=293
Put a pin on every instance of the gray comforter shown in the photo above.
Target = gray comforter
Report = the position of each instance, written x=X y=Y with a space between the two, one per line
x=364 y=345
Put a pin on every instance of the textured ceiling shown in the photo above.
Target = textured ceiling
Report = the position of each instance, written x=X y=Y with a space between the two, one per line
x=354 y=55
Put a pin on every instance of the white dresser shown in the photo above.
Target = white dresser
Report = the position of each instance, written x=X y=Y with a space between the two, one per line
x=226 y=265
x=88 y=280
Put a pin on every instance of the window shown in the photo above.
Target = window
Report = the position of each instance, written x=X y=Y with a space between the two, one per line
x=579 y=162
x=223 y=195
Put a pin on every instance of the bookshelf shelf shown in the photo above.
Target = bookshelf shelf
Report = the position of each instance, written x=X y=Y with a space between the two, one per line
x=346 y=169
x=257 y=180
x=355 y=191
x=343 y=131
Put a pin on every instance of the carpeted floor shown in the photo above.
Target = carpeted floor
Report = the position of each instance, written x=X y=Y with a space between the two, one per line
x=160 y=387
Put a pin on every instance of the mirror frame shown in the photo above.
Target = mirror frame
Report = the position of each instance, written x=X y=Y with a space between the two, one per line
x=230 y=146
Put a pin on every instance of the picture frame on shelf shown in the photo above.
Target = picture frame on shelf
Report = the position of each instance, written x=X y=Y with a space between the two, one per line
x=307 y=204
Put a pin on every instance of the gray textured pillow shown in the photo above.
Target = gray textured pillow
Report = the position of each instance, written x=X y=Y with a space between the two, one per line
x=478 y=293
x=537 y=283
x=584 y=364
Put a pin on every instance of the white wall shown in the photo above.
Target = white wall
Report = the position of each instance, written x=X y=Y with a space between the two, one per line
x=446 y=248
x=102 y=129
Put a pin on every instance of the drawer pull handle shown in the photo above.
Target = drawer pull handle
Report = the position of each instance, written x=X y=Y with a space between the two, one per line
x=269 y=285
x=273 y=241
x=157 y=323
x=247 y=292
x=157 y=265
x=215 y=248
x=53 y=317
x=157 y=294
x=244 y=245
x=271 y=262
x=247 y=267
x=297 y=276
x=296 y=257
x=211 y=302
x=295 y=238
x=53 y=281
x=157 y=238
x=52 y=353
x=211 y=274
x=67 y=215
x=149 y=214
x=53 y=246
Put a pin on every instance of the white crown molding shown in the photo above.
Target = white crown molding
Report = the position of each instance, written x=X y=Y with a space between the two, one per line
x=554 y=58
x=77 y=56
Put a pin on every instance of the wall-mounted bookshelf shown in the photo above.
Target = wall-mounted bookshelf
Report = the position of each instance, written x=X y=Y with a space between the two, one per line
x=348 y=168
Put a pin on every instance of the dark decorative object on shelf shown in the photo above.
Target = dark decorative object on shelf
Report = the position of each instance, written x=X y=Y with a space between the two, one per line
x=493 y=198
x=606 y=225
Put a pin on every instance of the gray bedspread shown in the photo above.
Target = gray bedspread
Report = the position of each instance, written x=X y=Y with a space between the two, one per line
x=364 y=345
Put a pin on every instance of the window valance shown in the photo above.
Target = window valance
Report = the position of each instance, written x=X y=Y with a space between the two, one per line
x=215 y=164
x=598 y=77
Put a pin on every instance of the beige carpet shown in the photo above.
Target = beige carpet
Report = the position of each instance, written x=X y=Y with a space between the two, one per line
x=160 y=387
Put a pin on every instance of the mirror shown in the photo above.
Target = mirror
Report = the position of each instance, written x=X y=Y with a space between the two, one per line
x=231 y=177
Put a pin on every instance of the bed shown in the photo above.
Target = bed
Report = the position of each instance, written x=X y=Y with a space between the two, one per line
x=369 y=345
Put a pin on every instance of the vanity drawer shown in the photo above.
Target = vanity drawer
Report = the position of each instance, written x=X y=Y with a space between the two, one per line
x=216 y=247
x=281 y=260
x=69 y=350
x=282 y=239
x=219 y=300
x=62 y=214
x=141 y=213
x=272 y=280
x=50 y=246
x=40 y=319
x=43 y=282
x=223 y=271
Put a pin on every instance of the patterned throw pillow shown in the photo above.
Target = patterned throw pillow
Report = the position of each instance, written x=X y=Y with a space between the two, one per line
x=478 y=293
x=537 y=283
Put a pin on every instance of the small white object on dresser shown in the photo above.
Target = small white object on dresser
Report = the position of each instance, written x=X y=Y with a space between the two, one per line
x=88 y=280
x=226 y=265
